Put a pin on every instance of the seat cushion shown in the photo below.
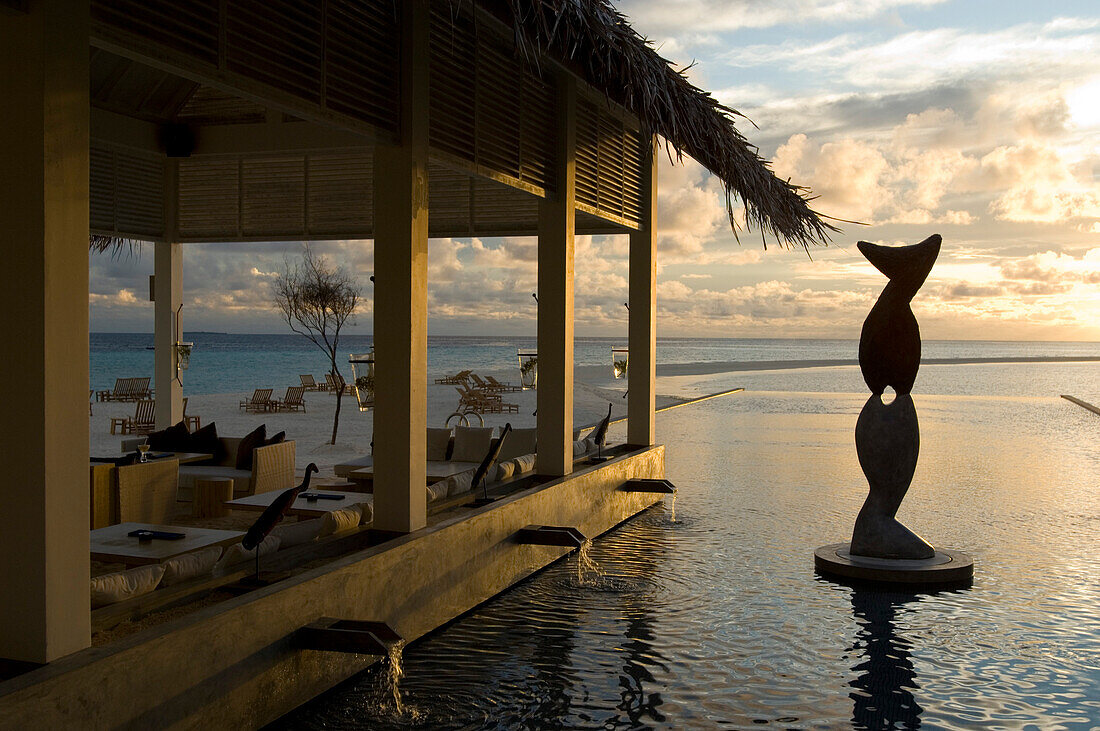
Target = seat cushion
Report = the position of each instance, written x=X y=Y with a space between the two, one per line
x=295 y=534
x=472 y=443
x=236 y=554
x=189 y=473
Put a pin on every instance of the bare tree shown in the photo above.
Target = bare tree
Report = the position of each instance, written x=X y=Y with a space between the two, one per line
x=316 y=301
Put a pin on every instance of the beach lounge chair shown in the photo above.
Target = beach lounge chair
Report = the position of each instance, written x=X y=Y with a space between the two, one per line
x=142 y=422
x=335 y=385
x=480 y=384
x=193 y=423
x=309 y=384
x=481 y=402
x=118 y=393
x=260 y=401
x=292 y=401
x=459 y=377
x=139 y=389
x=498 y=386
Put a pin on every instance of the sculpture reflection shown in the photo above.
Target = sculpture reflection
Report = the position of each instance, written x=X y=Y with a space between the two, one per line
x=883 y=695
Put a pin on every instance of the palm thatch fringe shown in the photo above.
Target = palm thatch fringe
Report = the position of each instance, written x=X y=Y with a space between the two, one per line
x=99 y=244
x=613 y=57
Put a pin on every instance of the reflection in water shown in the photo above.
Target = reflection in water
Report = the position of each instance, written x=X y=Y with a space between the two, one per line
x=884 y=689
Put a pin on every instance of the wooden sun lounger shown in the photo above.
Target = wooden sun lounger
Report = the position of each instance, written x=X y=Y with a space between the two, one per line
x=292 y=401
x=457 y=378
x=497 y=385
x=260 y=401
x=309 y=384
x=142 y=422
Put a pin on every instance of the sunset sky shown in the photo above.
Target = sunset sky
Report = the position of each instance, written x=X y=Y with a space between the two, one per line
x=975 y=119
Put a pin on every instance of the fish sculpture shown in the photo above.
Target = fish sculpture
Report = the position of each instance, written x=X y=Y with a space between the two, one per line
x=888 y=434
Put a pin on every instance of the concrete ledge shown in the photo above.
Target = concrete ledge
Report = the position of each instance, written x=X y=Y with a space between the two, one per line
x=235 y=664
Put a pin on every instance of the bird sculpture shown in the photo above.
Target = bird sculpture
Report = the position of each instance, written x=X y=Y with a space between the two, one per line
x=274 y=513
x=887 y=433
x=599 y=434
x=490 y=458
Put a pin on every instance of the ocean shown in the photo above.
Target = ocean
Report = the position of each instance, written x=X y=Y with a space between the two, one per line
x=238 y=363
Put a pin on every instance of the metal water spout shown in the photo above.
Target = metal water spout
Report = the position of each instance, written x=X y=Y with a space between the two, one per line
x=550 y=535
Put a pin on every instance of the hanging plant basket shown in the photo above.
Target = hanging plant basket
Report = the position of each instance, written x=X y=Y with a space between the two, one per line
x=362 y=373
x=183 y=355
x=529 y=368
x=620 y=358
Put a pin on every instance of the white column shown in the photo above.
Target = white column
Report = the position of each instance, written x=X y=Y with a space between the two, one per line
x=557 y=217
x=168 y=296
x=44 y=613
x=401 y=294
x=642 y=372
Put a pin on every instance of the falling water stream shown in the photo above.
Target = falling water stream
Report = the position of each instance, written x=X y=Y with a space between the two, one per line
x=391 y=703
x=586 y=565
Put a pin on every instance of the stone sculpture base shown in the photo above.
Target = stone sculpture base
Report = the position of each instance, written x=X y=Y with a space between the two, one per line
x=946 y=569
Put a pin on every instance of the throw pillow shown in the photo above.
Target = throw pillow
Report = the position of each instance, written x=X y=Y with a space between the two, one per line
x=295 y=534
x=206 y=440
x=277 y=439
x=175 y=438
x=472 y=443
x=253 y=439
x=439 y=440
x=235 y=554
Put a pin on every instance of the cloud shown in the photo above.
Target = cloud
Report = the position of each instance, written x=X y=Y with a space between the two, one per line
x=678 y=16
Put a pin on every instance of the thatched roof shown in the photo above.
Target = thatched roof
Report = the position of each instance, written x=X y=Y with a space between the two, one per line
x=592 y=36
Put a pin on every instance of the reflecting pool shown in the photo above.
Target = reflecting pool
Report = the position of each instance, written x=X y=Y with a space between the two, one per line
x=715 y=619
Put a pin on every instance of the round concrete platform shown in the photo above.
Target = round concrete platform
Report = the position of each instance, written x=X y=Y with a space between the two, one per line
x=946 y=568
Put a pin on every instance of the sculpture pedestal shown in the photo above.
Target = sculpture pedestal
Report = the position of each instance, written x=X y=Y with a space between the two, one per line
x=944 y=570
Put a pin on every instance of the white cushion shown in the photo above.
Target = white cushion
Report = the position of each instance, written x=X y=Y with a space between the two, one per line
x=472 y=443
x=438 y=490
x=295 y=534
x=190 y=565
x=504 y=470
x=518 y=441
x=236 y=554
x=580 y=447
x=523 y=464
x=438 y=441
x=366 y=513
x=460 y=483
x=339 y=521
x=123 y=585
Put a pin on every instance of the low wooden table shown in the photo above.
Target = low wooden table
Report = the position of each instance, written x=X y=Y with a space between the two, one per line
x=113 y=545
x=435 y=471
x=301 y=506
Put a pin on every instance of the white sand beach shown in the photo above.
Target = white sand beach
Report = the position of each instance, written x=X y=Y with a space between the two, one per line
x=311 y=429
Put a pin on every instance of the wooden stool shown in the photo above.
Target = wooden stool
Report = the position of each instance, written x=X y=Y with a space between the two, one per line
x=210 y=496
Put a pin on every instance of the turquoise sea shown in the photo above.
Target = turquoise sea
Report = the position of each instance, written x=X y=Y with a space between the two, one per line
x=232 y=363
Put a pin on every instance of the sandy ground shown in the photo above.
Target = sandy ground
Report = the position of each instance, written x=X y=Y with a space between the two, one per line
x=312 y=428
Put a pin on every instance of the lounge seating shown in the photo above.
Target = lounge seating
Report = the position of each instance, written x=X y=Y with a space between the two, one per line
x=272 y=469
x=309 y=384
x=459 y=377
x=292 y=401
x=142 y=422
x=260 y=401
x=127 y=389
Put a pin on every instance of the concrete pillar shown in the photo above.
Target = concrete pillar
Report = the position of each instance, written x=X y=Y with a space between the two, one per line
x=43 y=425
x=168 y=295
x=401 y=294
x=642 y=372
x=557 y=223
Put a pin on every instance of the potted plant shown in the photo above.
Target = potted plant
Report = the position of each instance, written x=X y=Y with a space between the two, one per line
x=362 y=372
x=620 y=357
